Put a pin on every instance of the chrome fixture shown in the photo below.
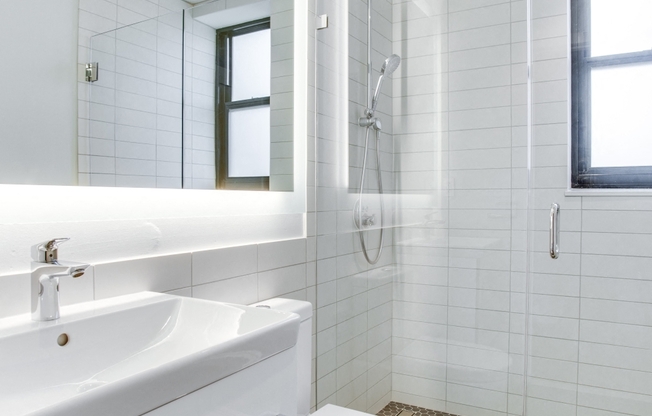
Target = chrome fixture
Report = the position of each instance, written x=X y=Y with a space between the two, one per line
x=369 y=121
x=554 y=230
x=46 y=271
x=92 y=72
x=389 y=66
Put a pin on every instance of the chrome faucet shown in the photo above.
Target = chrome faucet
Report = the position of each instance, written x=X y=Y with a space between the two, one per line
x=46 y=271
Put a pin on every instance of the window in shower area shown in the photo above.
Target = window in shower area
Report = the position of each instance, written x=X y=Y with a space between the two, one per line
x=243 y=106
x=612 y=94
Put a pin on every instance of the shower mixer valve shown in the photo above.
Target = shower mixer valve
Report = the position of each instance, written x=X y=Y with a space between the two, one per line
x=368 y=220
x=361 y=217
x=372 y=122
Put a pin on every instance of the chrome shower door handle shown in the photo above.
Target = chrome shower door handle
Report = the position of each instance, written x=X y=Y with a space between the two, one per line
x=554 y=231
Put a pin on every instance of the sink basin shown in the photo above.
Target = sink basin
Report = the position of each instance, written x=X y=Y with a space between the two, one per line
x=131 y=354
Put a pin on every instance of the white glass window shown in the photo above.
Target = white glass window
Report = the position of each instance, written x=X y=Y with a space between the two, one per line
x=621 y=107
x=244 y=54
x=620 y=26
x=249 y=142
x=251 y=70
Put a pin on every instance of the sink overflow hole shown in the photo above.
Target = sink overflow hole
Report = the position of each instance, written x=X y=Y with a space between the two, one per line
x=62 y=340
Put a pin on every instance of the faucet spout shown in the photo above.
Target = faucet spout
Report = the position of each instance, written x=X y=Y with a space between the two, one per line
x=46 y=272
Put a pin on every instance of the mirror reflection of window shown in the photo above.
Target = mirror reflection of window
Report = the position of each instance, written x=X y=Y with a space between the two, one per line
x=243 y=106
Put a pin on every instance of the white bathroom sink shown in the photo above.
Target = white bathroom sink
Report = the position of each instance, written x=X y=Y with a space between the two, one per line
x=131 y=354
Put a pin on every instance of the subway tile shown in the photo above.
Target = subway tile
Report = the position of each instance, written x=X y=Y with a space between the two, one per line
x=281 y=254
x=15 y=296
x=539 y=407
x=635 y=336
x=550 y=369
x=617 y=312
x=604 y=402
x=479 y=17
x=280 y=281
x=479 y=38
x=214 y=265
x=615 y=378
x=157 y=274
x=419 y=386
x=616 y=289
x=240 y=290
x=552 y=390
x=615 y=356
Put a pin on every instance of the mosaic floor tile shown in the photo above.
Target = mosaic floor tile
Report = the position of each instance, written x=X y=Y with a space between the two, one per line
x=394 y=408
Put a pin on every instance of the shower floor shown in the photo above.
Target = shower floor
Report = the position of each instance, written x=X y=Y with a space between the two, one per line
x=394 y=408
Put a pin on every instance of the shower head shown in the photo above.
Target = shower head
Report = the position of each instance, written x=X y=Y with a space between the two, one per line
x=389 y=66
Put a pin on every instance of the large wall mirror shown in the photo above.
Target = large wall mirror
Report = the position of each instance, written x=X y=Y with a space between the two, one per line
x=197 y=99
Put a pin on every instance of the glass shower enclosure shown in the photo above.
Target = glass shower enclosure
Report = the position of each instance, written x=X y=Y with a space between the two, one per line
x=465 y=310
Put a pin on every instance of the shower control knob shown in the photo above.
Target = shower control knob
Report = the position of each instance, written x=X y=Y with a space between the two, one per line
x=373 y=123
x=368 y=220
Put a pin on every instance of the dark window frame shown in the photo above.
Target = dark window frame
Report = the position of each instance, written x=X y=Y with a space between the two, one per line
x=583 y=175
x=224 y=80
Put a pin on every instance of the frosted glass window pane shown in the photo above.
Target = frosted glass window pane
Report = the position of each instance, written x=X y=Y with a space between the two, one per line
x=249 y=142
x=252 y=57
x=620 y=26
x=621 y=105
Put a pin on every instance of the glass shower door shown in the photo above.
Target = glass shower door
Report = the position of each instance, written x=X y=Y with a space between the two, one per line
x=439 y=321
x=460 y=131
x=590 y=327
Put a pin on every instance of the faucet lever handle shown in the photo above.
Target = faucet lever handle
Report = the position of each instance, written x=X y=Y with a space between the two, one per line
x=48 y=252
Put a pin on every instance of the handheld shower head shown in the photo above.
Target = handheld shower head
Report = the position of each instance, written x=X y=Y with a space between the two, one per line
x=389 y=66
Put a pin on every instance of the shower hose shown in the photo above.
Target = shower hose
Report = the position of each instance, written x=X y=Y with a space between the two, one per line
x=357 y=212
